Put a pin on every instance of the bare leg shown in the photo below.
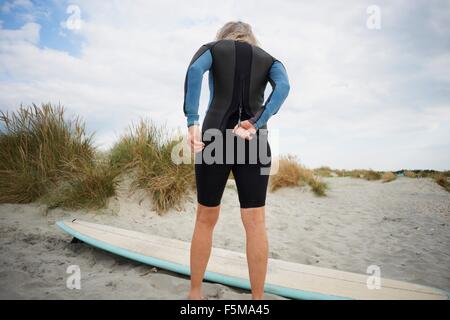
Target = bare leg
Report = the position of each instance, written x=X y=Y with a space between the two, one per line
x=257 y=248
x=201 y=247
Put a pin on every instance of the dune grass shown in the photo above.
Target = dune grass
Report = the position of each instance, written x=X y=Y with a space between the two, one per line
x=372 y=175
x=84 y=185
x=318 y=187
x=35 y=142
x=323 y=171
x=367 y=174
x=291 y=173
x=355 y=173
x=388 y=176
x=146 y=149
x=442 y=180
x=48 y=157
x=410 y=174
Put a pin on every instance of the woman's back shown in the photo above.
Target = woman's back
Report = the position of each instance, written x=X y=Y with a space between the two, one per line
x=238 y=75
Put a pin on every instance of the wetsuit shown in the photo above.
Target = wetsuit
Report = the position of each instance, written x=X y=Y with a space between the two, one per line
x=238 y=76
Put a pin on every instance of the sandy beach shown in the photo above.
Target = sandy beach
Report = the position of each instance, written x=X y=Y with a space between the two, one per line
x=402 y=226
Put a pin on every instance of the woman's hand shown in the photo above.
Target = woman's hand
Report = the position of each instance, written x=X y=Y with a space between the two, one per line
x=194 y=138
x=246 y=130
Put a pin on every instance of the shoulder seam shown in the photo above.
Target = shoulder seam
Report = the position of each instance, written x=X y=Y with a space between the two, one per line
x=272 y=57
x=211 y=44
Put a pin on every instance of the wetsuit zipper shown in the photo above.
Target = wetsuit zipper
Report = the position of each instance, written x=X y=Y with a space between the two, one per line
x=241 y=103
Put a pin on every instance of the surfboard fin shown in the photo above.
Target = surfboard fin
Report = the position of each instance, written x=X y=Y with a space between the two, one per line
x=76 y=240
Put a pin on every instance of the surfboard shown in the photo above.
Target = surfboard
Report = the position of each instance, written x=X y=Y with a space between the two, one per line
x=284 y=278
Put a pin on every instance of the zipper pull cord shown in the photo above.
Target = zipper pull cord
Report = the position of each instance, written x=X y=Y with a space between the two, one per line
x=240 y=112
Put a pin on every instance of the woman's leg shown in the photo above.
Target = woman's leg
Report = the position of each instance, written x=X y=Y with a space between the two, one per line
x=257 y=247
x=210 y=181
x=251 y=182
x=201 y=246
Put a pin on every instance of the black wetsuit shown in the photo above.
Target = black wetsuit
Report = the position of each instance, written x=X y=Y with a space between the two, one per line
x=238 y=76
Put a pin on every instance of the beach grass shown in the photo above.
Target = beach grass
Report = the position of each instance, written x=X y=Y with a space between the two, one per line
x=442 y=180
x=84 y=185
x=146 y=148
x=323 y=171
x=388 y=176
x=410 y=174
x=372 y=175
x=35 y=144
x=355 y=173
x=318 y=187
x=291 y=173
x=367 y=174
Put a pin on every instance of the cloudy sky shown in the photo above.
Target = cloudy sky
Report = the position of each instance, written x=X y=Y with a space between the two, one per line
x=370 y=86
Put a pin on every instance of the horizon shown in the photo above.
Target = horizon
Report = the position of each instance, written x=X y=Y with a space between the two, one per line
x=362 y=96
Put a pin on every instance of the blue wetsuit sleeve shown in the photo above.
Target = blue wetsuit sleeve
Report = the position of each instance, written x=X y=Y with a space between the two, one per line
x=193 y=86
x=278 y=78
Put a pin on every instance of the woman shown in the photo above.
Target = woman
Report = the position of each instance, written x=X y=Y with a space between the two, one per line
x=239 y=71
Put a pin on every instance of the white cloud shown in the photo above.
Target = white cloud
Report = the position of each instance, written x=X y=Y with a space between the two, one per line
x=28 y=33
x=359 y=98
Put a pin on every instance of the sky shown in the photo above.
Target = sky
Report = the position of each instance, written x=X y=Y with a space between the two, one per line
x=370 y=80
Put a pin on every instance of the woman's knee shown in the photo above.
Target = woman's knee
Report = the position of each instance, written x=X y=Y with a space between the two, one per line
x=207 y=216
x=253 y=218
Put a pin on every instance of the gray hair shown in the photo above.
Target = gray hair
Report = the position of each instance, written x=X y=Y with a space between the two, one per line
x=237 y=30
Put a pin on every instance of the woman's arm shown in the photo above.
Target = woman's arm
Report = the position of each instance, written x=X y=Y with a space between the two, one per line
x=278 y=78
x=201 y=62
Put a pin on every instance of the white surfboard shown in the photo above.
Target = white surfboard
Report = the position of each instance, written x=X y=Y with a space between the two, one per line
x=288 y=279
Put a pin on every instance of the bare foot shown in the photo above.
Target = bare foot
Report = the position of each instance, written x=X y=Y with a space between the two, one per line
x=196 y=295
x=197 y=298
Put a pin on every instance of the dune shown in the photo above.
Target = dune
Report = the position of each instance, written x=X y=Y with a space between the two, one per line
x=402 y=226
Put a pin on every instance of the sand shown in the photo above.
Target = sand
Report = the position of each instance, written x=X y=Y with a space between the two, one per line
x=402 y=226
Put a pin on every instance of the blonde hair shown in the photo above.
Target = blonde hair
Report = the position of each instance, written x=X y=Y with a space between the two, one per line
x=237 y=30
